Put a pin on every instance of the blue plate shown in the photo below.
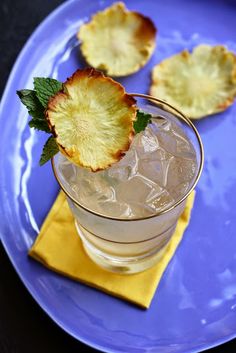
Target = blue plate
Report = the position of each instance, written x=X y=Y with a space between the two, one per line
x=195 y=305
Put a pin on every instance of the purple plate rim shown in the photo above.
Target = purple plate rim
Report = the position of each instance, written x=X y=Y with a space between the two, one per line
x=50 y=17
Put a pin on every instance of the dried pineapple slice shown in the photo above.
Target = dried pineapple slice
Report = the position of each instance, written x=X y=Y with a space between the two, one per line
x=117 y=41
x=92 y=119
x=199 y=84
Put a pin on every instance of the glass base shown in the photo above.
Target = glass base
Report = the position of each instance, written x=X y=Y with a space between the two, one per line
x=121 y=265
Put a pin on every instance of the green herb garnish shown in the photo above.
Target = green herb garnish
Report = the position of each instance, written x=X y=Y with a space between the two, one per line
x=46 y=88
x=142 y=120
x=49 y=150
x=36 y=101
x=35 y=109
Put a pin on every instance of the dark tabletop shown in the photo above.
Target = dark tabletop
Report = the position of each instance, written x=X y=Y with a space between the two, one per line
x=24 y=327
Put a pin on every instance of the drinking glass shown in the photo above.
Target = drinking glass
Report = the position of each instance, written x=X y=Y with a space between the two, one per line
x=129 y=245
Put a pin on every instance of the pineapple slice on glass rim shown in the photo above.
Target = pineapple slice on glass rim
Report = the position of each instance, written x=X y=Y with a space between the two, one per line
x=200 y=83
x=92 y=119
x=117 y=41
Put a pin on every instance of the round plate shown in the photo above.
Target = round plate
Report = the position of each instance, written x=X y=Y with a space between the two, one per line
x=195 y=304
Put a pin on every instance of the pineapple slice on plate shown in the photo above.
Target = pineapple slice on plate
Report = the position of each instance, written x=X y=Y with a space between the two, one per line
x=117 y=41
x=199 y=83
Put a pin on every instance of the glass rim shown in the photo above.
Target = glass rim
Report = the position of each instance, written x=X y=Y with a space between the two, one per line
x=168 y=209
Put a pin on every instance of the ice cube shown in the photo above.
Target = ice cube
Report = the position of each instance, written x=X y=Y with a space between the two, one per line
x=67 y=169
x=179 y=190
x=181 y=170
x=184 y=147
x=145 y=142
x=126 y=168
x=134 y=190
x=162 y=201
x=173 y=142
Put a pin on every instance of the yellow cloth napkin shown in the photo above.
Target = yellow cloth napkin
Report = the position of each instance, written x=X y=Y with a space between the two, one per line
x=59 y=248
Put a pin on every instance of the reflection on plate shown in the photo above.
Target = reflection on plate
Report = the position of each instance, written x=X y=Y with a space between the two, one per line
x=195 y=304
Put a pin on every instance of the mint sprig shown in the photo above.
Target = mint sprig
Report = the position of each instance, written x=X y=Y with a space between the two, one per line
x=49 y=150
x=36 y=101
x=142 y=120
x=39 y=124
x=29 y=99
x=46 y=88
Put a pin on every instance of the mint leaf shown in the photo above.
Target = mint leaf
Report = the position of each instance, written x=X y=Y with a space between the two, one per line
x=35 y=109
x=29 y=99
x=39 y=124
x=36 y=101
x=46 y=88
x=142 y=120
x=49 y=150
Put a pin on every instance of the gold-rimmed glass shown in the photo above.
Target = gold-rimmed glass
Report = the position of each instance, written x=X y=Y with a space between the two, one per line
x=128 y=245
